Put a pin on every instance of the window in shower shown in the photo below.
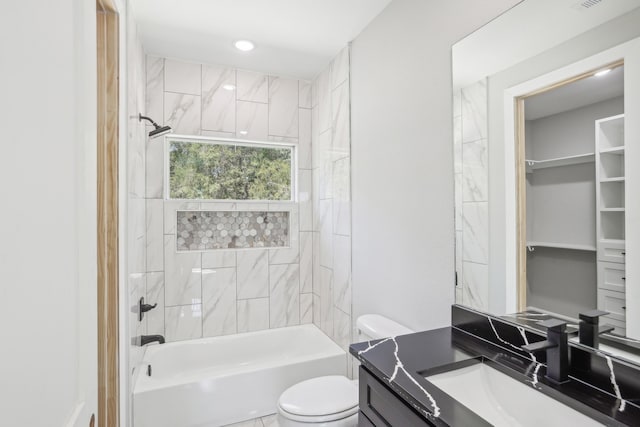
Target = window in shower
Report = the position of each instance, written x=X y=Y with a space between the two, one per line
x=218 y=169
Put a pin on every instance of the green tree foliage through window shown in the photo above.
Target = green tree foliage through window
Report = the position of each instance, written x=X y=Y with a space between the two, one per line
x=224 y=171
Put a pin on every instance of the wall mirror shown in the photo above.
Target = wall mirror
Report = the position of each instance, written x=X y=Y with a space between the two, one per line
x=546 y=150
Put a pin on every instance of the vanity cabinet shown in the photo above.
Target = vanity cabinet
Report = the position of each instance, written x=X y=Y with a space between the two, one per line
x=381 y=406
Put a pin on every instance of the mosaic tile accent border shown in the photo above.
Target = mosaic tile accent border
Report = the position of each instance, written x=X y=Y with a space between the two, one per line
x=210 y=230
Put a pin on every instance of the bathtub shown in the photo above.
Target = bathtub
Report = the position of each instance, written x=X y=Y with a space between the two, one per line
x=216 y=381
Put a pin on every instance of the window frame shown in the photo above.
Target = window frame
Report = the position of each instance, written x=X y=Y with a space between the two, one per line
x=196 y=139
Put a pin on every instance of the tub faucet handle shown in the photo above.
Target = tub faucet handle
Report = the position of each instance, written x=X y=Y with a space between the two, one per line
x=143 y=308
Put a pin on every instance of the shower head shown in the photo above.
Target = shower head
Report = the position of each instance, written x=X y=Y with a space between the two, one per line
x=158 y=130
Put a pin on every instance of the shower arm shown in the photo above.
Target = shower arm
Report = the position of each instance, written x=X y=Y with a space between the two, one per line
x=141 y=118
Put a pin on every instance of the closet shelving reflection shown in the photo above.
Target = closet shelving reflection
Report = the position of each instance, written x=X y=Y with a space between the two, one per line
x=610 y=221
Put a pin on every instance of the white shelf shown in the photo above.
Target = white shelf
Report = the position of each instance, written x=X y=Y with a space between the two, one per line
x=561 y=161
x=618 y=179
x=562 y=246
x=614 y=150
x=611 y=209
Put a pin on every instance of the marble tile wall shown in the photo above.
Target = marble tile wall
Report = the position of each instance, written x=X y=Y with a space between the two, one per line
x=331 y=205
x=220 y=292
x=471 y=195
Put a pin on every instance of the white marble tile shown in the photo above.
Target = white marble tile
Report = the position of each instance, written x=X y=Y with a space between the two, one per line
x=182 y=275
x=283 y=107
x=315 y=137
x=475 y=280
x=340 y=126
x=253 y=314
x=270 y=421
x=252 y=120
x=182 y=77
x=136 y=152
x=291 y=254
x=475 y=232
x=340 y=68
x=457 y=144
x=218 y=259
x=305 y=160
x=326 y=300
x=183 y=322
x=306 y=262
x=316 y=310
x=474 y=112
x=170 y=216
x=457 y=180
x=305 y=200
x=459 y=256
x=341 y=329
x=457 y=103
x=136 y=236
x=154 y=166
x=284 y=296
x=155 y=235
x=253 y=273
x=342 y=273
x=304 y=94
x=315 y=198
x=324 y=101
x=315 y=255
x=325 y=177
x=219 y=302
x=252 y=86
x=326 y=233
x=155 y=295
x=341 y=184
x=182 y=113
x=475 y=173
x=155 y=88
x=218 y=102
x=314 y=92
x=216 y=134
x=306 y=308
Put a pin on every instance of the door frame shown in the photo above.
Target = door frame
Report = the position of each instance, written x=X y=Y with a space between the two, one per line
x=515 y=169
x=107 y=42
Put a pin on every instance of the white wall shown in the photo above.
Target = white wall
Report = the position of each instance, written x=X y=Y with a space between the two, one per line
x=48 y=233
x=402 y=184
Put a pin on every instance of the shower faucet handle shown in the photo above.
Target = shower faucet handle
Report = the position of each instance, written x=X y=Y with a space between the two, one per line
x=143 y=308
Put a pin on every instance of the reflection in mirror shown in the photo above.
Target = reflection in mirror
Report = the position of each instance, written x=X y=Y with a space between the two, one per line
x=550 y=233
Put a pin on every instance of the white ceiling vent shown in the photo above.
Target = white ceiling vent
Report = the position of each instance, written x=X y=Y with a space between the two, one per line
x=586 y=4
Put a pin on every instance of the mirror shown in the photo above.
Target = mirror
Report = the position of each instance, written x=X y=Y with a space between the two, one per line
x=545 y=224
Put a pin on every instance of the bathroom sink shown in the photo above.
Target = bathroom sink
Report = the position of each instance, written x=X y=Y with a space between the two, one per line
x=504 y=401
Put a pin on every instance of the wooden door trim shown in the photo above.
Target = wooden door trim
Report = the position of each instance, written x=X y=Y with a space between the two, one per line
x=107 y=28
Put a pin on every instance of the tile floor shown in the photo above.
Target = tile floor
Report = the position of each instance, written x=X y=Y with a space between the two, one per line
x=268 y=421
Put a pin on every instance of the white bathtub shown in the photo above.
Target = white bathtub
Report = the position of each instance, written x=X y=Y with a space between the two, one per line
x=222 y=380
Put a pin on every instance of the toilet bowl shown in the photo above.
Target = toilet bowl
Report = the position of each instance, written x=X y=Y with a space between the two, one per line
x=332 y=401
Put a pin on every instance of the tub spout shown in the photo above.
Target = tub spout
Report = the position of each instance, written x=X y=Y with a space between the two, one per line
x=146 y=339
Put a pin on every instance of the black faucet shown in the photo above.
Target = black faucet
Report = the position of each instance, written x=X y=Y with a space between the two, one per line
x=557 y=350
x=146 y=339
x=589 y=328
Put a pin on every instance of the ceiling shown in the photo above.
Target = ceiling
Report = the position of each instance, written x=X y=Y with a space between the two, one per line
x=295 y=38
x=575 y=95
x=528 y=29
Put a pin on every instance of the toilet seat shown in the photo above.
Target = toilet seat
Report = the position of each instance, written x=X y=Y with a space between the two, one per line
x=321 y=399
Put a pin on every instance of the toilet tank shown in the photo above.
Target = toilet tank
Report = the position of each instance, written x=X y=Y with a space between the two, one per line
x=373 y=327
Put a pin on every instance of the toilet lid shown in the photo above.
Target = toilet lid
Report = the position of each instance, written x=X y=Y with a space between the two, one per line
x=320 y=396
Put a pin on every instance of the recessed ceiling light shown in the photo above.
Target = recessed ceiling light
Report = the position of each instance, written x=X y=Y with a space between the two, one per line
x=243 y=132
x=244 y=45
x=602 y=72
x=228 y=87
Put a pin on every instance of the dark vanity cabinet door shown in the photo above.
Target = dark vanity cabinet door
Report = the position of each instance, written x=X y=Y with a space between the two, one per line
x=380 y=406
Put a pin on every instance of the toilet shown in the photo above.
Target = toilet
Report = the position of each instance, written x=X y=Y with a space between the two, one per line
x=332 y=401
